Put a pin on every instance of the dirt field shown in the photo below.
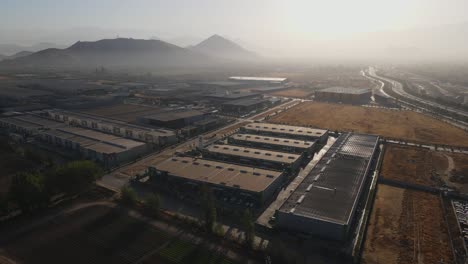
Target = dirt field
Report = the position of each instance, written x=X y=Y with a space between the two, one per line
x=406 y=227
x=100 y=234
x=425 y=167
x=295 y=92
x=406 y=125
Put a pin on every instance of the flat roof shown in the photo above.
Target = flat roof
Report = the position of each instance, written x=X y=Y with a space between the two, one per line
x=346 y=90
x=285 y=129
x=113 y=122
x=170 y=116
x=220 y=173
x=273 y=140
x=246 y=102
x=32 y=121
x=253 y=78
x=331 y=190
x=102 y=137
x=260 y=154
x=231 y=95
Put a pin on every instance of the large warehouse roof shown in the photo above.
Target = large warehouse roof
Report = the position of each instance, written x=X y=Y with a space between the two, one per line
x=347 y=90
x=264 y=79
x=272 y=156
x=284 y=129
x=274 y=140
x=220 y=173
x=330 y=192
x=245 y=102
x=171 y=116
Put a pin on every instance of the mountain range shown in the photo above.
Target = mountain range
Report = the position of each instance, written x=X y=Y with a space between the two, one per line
x=132 y=53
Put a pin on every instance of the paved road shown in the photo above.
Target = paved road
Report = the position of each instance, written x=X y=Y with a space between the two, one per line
x=397 y=87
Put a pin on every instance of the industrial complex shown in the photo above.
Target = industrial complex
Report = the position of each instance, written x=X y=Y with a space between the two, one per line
x=325 y=202
x=344 y=95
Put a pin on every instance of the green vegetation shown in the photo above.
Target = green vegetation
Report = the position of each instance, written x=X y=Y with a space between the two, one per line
x=74 y=177
x=128 y=196
x=30 y=191
x=152 y=204
x=27 y=190
x=209 y=208
x=249 y=227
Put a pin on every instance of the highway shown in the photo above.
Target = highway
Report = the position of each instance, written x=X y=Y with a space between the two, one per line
x=423 y=106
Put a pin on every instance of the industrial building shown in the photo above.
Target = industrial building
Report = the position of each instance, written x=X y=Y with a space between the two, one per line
x=244 y=106
x=255 y=157
x=108 y=149
x=219 y=98
x=293 y=132
x=230 y=183
x=28 y=124
x=325 y=202
x=349 y=95
x=175 y=119
x=273 y=143
x=158 y=137
x=259 y=80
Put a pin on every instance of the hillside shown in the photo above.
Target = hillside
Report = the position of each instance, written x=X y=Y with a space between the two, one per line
x=121 y=53
x=217 y=46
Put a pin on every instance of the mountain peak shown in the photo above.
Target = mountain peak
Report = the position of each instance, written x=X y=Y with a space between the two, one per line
x=219 y=46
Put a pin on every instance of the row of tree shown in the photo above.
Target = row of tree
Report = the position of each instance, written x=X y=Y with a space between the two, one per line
x=30 y=191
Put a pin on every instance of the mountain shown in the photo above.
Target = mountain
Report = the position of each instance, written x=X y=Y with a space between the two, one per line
x=117 y=53
x=217 y=46
x=11 y=49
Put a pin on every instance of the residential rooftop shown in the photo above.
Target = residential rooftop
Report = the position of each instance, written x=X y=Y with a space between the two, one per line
x=331 y=191
x=219 y=173
x=254 y=153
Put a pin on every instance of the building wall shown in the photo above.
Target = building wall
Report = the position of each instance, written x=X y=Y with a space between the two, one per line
x=311 y=226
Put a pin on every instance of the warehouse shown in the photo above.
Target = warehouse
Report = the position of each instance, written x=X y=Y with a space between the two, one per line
x=294 y=132
x=158 y=137
x=273 y=143
x=244 y=106
x=175 y=120
x=259 y=80
x=108 y=149
x=325 y=202
x=344 y=95
x=27 y=124
x=219 y=98
x=232 y=184
x=254 y=157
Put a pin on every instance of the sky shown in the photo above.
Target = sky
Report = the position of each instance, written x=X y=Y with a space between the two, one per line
x=255 y=23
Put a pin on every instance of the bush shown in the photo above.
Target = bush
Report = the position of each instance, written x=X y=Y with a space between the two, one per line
x=152 y=204
x=73 y=177
x=128 y=196
x=28 y=192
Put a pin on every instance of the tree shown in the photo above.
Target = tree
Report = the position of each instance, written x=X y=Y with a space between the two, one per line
x=249 y=227
x=152 y=204
x=73 y=177
x=28 y=192
x=209 y=207
x=128 y=196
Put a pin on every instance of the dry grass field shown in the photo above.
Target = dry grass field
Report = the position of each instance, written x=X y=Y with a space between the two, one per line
x=425 y=167
x=406 y=227
x=405 y=125
x=295 y=92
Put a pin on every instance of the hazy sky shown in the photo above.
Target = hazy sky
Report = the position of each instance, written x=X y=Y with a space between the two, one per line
x=256 y=22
